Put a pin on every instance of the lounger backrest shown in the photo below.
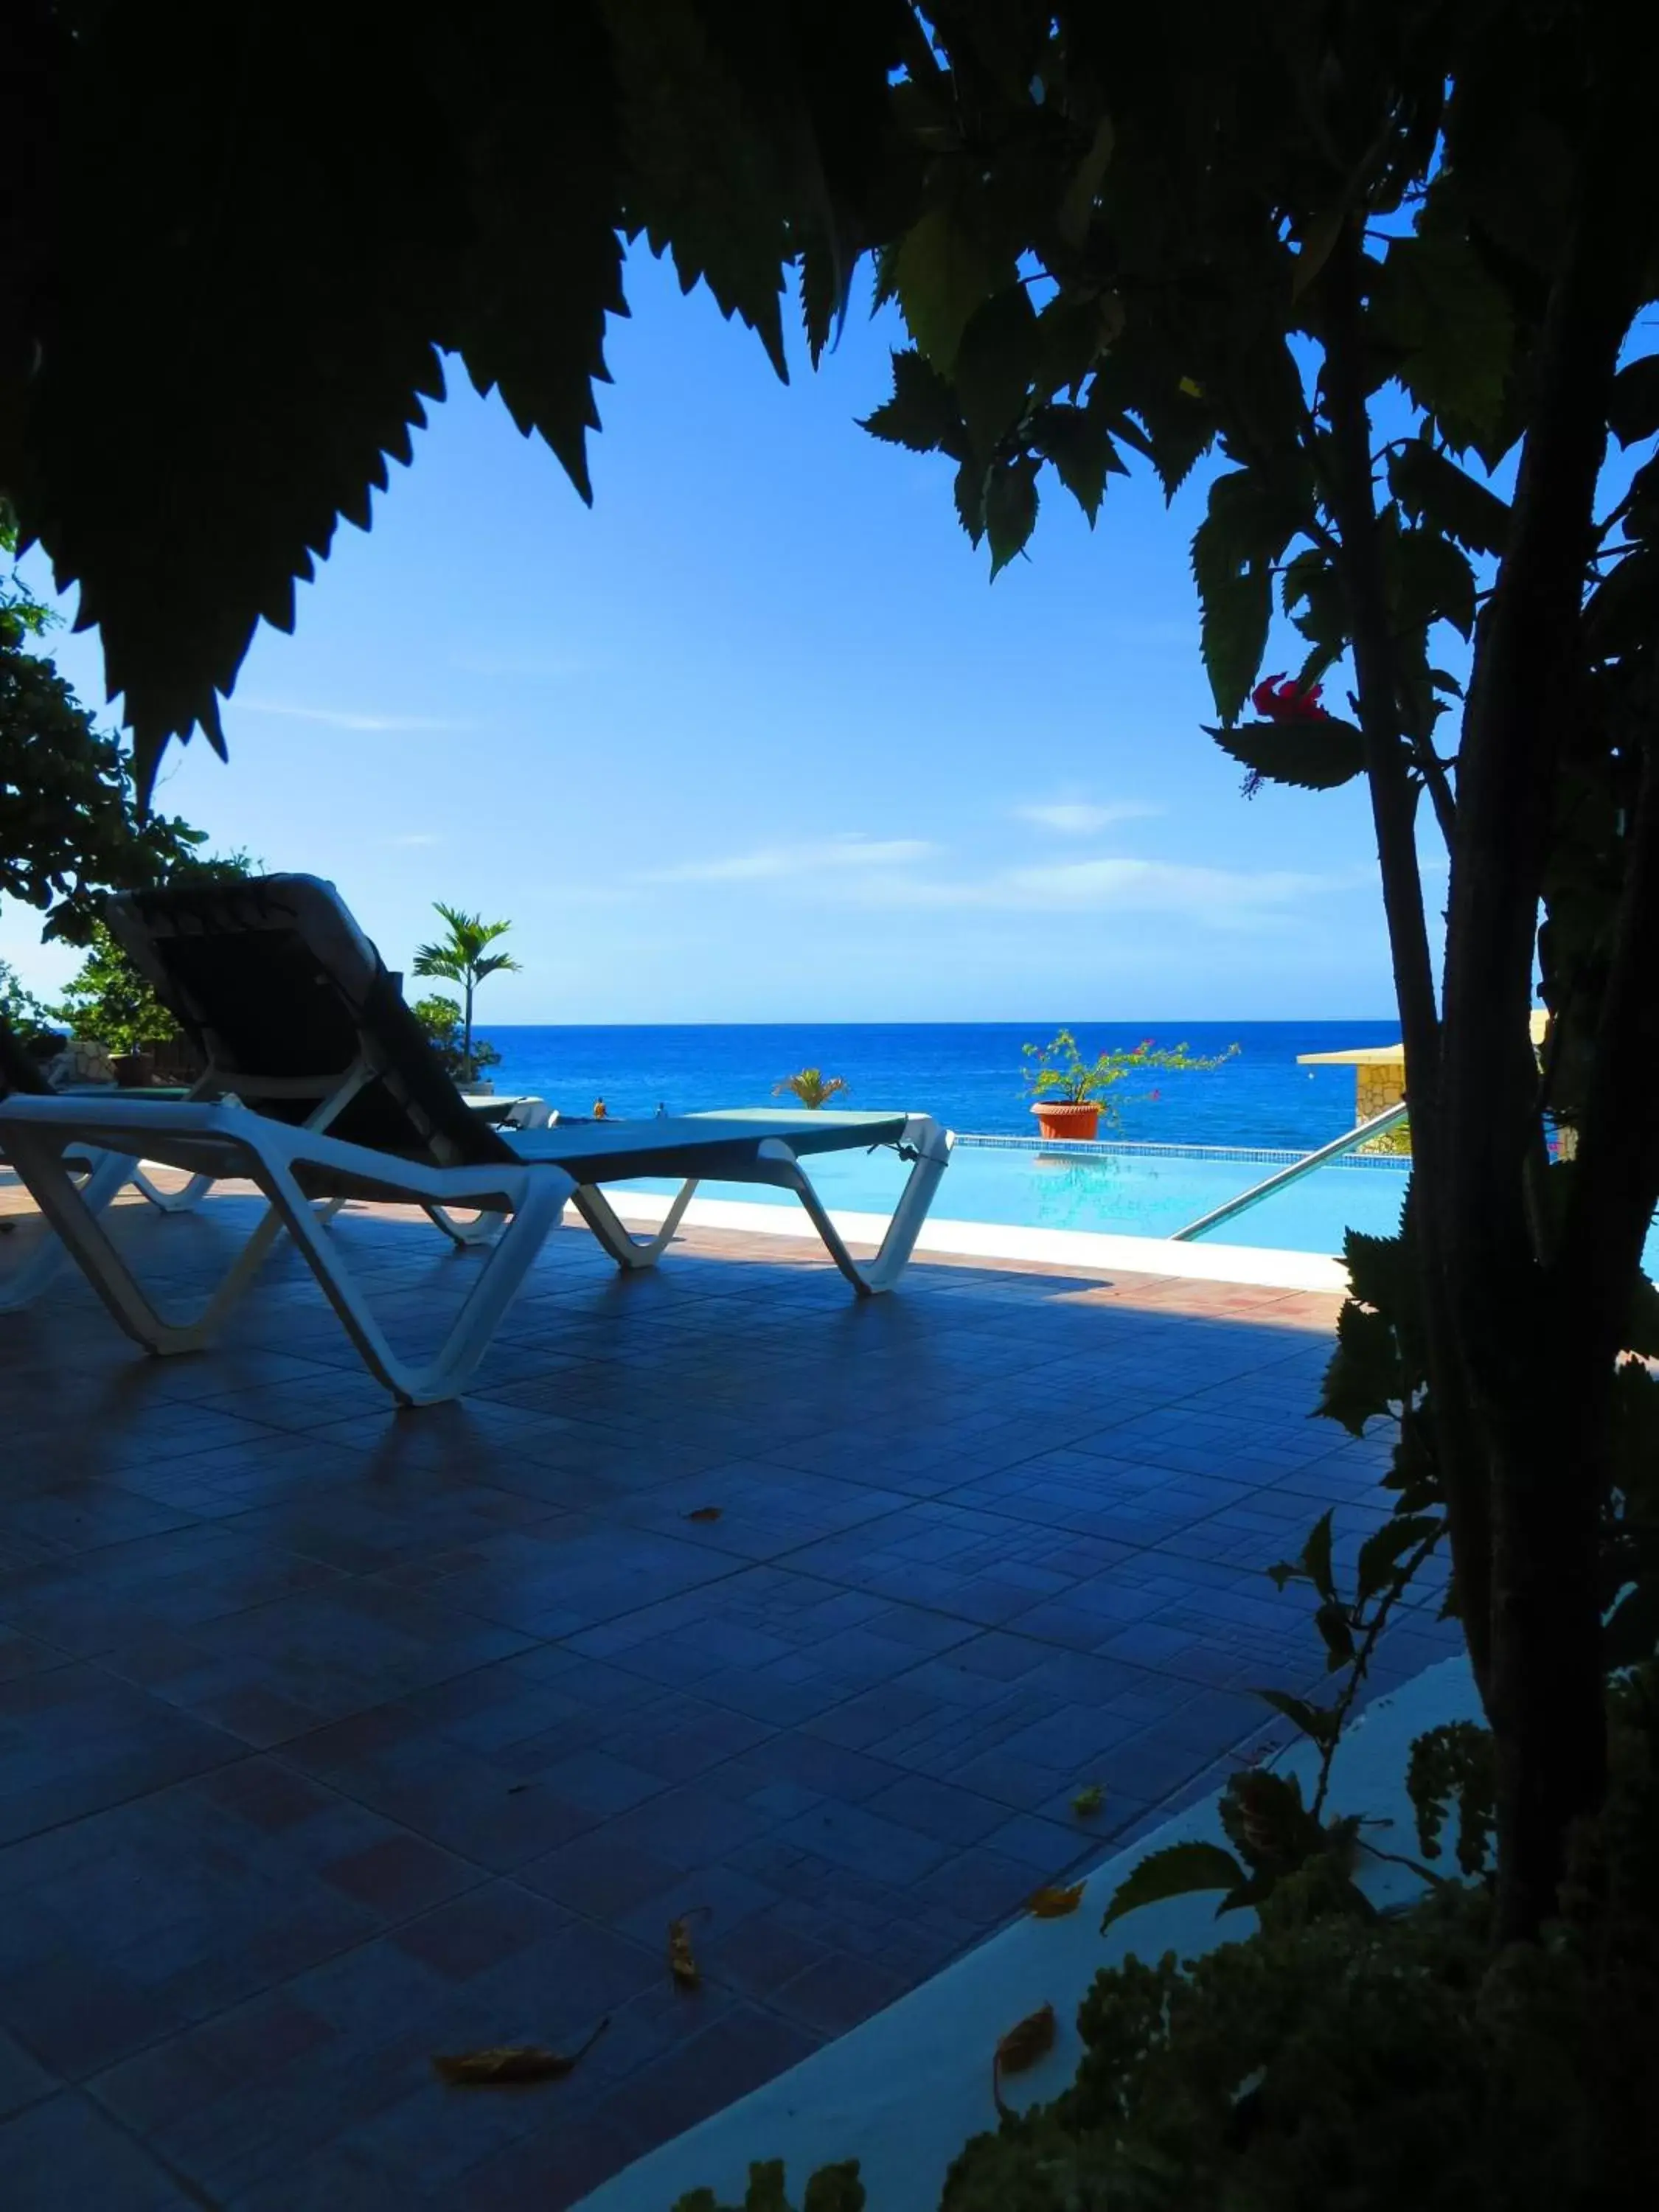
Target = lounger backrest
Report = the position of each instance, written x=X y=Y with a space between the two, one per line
x=283 y=995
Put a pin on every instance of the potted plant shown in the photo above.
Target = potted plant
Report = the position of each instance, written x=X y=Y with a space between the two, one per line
x=1072 y=1092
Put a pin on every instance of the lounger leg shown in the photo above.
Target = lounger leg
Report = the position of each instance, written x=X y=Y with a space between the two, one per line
x=477 y=1232
x=497 y=1282
x=108 y=1173
x=628 y=1250
x=76 y=1215
x=879 y=1274
x=172 y=1201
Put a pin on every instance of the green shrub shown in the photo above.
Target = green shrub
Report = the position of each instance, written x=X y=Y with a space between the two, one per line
x=440 y=1018
x=1382 y=2064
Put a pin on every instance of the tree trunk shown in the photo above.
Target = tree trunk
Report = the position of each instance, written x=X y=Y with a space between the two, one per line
x=466 y=1033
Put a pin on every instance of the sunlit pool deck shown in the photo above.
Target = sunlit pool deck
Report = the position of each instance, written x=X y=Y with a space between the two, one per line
x=331 y=1738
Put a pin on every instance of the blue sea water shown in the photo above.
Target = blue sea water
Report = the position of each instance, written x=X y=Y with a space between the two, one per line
x=968 y=1075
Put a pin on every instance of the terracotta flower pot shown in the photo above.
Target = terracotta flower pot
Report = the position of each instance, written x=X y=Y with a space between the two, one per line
x=134 y=1071
x=1062 y=1117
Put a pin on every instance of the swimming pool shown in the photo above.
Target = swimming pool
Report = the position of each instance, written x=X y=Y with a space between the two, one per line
x=1125 y=1190
x=1130 y=1190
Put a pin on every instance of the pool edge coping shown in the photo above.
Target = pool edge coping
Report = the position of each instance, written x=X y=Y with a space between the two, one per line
x=1088 y=1251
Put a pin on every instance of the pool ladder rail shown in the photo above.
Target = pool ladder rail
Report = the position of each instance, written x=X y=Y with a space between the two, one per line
x=1282 y=1178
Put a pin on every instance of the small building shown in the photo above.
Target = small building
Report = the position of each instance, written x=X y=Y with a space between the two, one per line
x=1379 y=1070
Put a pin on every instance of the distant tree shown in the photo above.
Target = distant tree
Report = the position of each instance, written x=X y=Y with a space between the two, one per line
x=70 y=830
x=813 y=1087
x=463 y=957
x=108 y=999
x=440 y=1018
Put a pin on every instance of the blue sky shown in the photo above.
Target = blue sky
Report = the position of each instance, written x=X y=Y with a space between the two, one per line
x=755 y=739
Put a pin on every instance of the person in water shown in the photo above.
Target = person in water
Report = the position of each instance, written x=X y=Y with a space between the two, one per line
x=601 y=1112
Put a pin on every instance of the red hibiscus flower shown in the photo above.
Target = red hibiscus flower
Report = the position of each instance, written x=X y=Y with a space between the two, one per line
x=1278 y=699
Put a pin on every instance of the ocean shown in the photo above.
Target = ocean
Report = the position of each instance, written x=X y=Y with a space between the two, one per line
x=966 y=1074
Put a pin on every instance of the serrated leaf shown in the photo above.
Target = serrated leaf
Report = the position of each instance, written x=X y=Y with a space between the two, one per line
x=940 y=275
x=1335 y=1630
x=1244 y=532
x=1311 y=756
x=922 y=414
x=970 y=498
x=1633 y=409
x=1316 y=1722
x=1052 y=1904
x=1431 y=488
x=1316 y=1556
x=1381 y=1553
x=1178 y=1870
x=1076 y=207
x=1010 y=509
x=1436 y=300
x=1378 y=1271
x=1078 y=442
x=1429 y=581
x=995 y=365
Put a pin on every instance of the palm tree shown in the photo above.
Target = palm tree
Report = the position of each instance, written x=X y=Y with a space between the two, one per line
x=812 y=1086
x=462 y=958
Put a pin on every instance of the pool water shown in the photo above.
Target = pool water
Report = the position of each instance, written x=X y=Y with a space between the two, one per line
x=1124 y=1190
x=1119 y=1190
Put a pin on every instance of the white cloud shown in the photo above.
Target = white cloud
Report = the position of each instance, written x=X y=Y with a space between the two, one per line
x=1077 y=817
x=339 y=718
x=1216 y=898
x=835 y=856
x=415 y=837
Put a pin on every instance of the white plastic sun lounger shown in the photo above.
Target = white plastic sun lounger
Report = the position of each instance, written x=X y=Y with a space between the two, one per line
x=294 y=1012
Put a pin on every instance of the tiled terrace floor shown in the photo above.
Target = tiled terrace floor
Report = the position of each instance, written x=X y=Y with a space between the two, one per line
x=332 y=1737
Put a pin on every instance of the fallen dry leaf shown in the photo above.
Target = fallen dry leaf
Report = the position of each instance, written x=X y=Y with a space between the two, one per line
x=1087 y=1801
x=705 y=1513
x=1030 y=2040
x=511 y=2062
x=682 y=1958
x=1051 y=1904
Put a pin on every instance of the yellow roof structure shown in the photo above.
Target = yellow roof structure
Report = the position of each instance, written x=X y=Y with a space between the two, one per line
x=1393 y=1055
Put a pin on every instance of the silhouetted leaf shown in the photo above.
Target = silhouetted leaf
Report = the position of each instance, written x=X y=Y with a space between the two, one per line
x=1432 y=488
x=1383 y=1550
x=1633 y=410
x=1453 y=323
x=941 y=274
x=1076 y=439
x=1178 y=1870
x=1010 y=509
x=1315 y=1721
x=1331 y=1620
x=1316 y=1556
x=1072 y=218
x=922 y=413
x=1430 y=580
x=995 y=365
x=1312 y=755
